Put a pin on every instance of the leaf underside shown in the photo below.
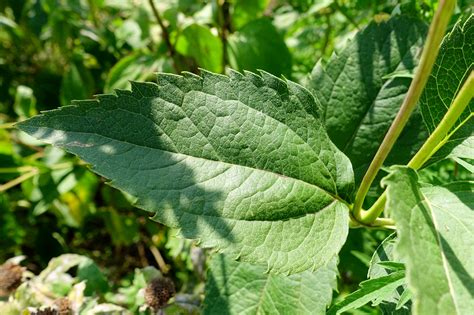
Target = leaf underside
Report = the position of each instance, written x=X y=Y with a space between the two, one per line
x=453 y=65
x=358 y=101
x=435 y=227
x=241 y=162
x=241 y=288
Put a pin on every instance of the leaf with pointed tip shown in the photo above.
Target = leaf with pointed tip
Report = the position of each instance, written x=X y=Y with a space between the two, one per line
x=241 y=163
x=453 y=65
x=377 y=290
x=380 y=265
x=361 y=94
x=435 y=228
x=241 y=288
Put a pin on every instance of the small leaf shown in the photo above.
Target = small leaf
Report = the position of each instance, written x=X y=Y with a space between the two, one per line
x=359 y=105
x=377 y=289
x=77 y=83
x=25 y=102
x=241 y=163
x=251 y=46
x=453 y=65
x=435 y=226
x=241 y=288
x=136 y=67
x=197 y=41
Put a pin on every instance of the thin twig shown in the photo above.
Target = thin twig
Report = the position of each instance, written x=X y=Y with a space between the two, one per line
x=165 y=34
x=159 y=259
x=18 y=180
x=224 y=30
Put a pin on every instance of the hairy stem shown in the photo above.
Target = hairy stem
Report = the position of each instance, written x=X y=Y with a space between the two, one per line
x=435 y=141
x=428 y=57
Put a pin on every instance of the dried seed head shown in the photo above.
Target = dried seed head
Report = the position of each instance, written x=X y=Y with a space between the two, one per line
x=63 y=306
x=158 y=292
x=46 y=311
x=10 y=278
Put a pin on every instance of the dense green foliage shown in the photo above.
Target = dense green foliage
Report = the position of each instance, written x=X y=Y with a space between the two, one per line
x=255 y=168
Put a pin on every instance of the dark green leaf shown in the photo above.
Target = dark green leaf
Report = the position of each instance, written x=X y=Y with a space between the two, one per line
x=251 y=47
x=358 y=103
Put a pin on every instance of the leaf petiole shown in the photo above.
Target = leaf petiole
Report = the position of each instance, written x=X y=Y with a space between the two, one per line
x=434 y=142
x=430 y=52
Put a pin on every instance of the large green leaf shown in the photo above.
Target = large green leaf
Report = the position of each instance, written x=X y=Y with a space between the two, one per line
x=359 y=104
x=250 y=48
x=435 y=228
x=241 y=162
x=245 y=11
x=242 y=288
x=454 y=64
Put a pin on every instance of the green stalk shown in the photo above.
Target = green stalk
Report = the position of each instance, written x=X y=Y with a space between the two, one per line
x=439 y=134
x=434 y=142
x=430 y=52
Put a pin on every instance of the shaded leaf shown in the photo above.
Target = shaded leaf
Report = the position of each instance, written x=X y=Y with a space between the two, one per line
x=453 y=65
x=250 y=47
x=359 y=104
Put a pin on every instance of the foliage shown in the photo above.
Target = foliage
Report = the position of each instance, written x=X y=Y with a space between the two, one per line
x=260 y=169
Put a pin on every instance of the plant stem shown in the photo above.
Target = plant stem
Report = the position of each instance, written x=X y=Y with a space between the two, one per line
x=428 y=57
x=18 y=180
x=165 y=34
x=434 y=142
x=224 y=30
x=439 y=134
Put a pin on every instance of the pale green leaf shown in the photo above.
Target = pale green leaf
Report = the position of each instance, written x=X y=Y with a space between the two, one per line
x=377 y=289
x=251 y=47
x=453 y=65
x=245 y=11
x=135 y=67
x=25 y=102
x=77 y=83
x=435 y=229
x=381 y=265
x=241 y=288
x=241 y=163
x=198 y=42
x=359 y=103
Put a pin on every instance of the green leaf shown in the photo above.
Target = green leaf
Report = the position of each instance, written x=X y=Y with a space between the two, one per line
x=453 y=65
x=77 y=83
x=25 y=102
x=435 y=227
x=246 y=11
x=251 y=47
x=198 y=42
x=358 y=103
x=377 y=289
x=241 y=288
x=241 y=163
x=136 y=67
x=381 y=265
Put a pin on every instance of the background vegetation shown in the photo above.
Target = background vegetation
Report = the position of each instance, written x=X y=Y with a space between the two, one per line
x=55 y=51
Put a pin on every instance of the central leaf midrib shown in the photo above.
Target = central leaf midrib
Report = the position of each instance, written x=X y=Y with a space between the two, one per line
x=333 y=196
